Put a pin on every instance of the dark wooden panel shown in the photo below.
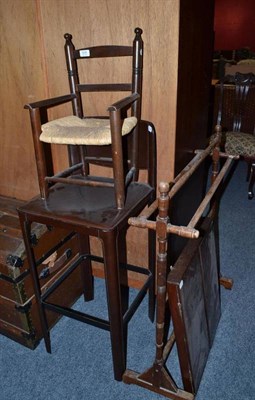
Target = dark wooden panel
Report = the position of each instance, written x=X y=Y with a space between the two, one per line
x=194 y=313
x=194 y=298
x=210 y=275
x=193 y=99
x=189 y=316
x=194 y=77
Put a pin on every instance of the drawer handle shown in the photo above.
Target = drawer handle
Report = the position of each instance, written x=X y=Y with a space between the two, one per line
x=54 y=264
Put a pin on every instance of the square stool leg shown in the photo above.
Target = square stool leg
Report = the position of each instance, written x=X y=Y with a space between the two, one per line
x=118 y=330
x=86 y=269
x=26 y=230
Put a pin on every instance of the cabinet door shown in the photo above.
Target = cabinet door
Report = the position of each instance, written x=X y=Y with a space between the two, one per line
x=193 y=98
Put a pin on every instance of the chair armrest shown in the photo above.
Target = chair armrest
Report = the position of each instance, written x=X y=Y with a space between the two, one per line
x=124 y=103
x=55 y=101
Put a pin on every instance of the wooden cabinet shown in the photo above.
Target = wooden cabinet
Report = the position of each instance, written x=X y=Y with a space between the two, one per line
x=193 y=100
x=19 y=318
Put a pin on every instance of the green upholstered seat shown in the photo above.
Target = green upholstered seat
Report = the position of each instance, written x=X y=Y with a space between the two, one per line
x=239 y=143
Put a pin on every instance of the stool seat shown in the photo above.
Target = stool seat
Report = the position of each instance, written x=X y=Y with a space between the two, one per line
x=88 y=206
x=90 y=211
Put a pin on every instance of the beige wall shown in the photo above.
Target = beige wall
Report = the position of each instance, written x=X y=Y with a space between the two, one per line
x=33 y=67
x=22 y=80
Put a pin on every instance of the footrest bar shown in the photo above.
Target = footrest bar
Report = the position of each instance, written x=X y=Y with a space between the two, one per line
x=78 y=315
x=129 y=267
x=68 y=271
x=137 y=301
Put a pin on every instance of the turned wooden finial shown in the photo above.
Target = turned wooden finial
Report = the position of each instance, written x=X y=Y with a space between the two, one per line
x=68 y=37
x=218 y=129
x=138 y=31
x=218 y=133
x=163 y=200
x=163 y=187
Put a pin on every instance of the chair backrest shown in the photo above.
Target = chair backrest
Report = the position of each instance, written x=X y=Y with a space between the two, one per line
x=242 y=68
x=235 y=103
x=73 y=59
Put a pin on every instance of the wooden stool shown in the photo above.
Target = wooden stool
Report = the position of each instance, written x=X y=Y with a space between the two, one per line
x=68 y=206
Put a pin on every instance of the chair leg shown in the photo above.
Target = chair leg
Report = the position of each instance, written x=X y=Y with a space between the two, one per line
x=124 y=288
x=112 y=281
x=26 y=230
x=249 y=167
x=251 y=182
x=86 y=268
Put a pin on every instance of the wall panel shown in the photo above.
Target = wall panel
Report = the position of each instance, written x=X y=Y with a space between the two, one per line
x=105 y=22
x=22 y=80
x=33 y=67
x=234 y=24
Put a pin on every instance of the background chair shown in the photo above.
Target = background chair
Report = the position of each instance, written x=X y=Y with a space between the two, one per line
x=95 y=205
x=234 y=111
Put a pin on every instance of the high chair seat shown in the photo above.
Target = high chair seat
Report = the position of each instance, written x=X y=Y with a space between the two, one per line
x=77 y=131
